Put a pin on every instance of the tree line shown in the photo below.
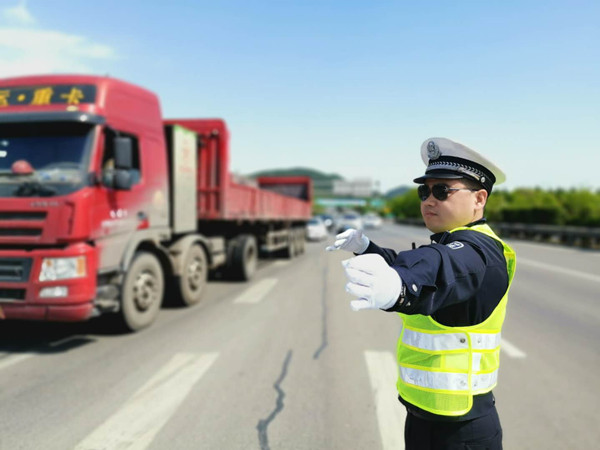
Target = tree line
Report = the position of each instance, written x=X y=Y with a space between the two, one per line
x=575 y=207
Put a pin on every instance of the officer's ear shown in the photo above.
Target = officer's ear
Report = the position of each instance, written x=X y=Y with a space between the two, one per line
x=481 y=197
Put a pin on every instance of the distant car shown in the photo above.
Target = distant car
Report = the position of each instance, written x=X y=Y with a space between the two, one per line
x=372 y=221
x=327 y=220
x=350 y=220
x=316 y=229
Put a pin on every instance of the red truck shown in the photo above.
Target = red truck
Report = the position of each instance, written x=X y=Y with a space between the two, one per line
x=107 y=208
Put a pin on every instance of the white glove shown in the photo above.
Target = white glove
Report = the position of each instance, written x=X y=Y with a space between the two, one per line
x=351 y=240
x=376 y=284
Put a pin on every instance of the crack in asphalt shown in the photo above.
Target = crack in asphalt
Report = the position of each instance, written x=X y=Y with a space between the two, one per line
x=324 y=341
x=263 y=424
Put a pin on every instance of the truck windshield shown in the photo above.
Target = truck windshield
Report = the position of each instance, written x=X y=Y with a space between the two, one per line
x=43 y=159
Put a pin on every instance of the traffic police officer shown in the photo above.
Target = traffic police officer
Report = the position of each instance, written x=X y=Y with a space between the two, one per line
x=451 y=296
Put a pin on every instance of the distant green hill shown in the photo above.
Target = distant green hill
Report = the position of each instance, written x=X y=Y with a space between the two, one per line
x=297 y=171
x=322 y=182
x=395 y=192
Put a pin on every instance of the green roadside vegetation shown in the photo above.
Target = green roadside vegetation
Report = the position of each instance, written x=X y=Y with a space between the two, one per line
x=573 y=207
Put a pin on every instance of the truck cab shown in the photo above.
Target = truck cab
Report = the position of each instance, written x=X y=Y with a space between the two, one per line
x=83 y=172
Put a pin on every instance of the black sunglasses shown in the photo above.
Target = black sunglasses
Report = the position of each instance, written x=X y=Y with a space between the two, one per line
x=439 y=191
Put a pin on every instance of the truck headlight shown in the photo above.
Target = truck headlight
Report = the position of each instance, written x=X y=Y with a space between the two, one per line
x=62 y=268
x=54 y=292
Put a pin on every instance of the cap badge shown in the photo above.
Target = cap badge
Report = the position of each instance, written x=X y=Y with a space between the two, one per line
x=433 y=150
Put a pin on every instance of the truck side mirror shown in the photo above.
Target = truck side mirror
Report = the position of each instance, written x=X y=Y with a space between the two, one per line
x=122 y=179
x=123 y=153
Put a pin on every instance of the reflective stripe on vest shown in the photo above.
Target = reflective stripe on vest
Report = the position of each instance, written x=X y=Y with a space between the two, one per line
x=448 y=381
x=442 y=367
x=450 y=341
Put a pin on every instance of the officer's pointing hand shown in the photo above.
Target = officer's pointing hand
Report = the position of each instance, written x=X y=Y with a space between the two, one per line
x=373 y=281
x=351 y=240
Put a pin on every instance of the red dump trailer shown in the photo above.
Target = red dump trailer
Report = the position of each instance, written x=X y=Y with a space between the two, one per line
x=108 y=208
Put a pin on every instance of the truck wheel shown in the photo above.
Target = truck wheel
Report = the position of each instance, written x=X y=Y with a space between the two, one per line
x=290 y=250
x=303 y=239
x=193 y=277
x=294 y=237
x=300 y=240
x=142 y=291
x=244 y=256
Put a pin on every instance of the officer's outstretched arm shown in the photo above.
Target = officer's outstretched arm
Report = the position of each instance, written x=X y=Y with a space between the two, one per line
x=350 y=240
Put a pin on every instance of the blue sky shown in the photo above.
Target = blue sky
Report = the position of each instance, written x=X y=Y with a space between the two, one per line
x=346 y=86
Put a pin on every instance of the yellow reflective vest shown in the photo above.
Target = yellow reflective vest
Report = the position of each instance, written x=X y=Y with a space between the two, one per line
x=442 y=367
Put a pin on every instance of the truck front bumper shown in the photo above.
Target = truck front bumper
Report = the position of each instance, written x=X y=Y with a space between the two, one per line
x=24 y=296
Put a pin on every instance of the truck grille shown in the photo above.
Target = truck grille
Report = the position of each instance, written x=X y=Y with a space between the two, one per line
x=20 y=232
x=22 y=215
x=12 y=223
x=12 y=294
x=15 y=269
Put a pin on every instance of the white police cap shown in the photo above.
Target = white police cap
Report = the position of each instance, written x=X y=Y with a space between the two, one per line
x=448 y=159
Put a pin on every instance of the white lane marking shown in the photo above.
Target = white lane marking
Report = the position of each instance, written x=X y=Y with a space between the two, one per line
x=13 y=359
x=563 y=270
x=256 y=293
x=391 y=415
x=136 y=424
x=63 y=341
x=511 y=350
x=281 y=263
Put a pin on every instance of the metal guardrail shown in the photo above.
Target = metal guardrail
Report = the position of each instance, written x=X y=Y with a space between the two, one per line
x=584 y=237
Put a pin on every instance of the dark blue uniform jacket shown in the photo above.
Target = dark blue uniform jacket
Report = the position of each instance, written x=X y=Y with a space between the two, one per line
x=458 y=280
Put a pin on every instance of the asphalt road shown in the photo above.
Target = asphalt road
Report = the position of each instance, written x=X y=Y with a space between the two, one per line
x=283 y=362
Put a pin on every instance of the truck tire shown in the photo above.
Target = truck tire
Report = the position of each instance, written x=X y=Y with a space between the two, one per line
x=243 y=257
x=295 y=241
x=300 y=240
x=290 y=250
x=303 y=239
x=192 y=281
x=142 y=291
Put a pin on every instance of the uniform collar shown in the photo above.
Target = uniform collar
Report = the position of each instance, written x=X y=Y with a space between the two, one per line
x=438 y=236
